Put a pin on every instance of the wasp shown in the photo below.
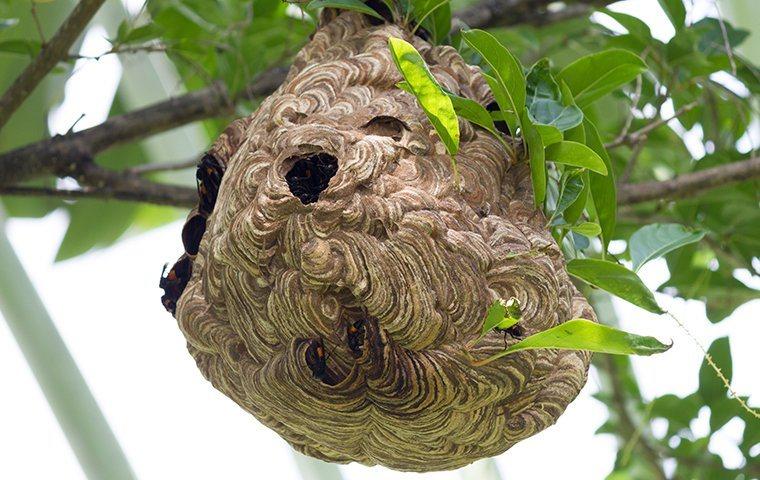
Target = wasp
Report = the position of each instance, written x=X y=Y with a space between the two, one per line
x=174 y=282
x=355 y=337
x=192 y=232
x=316 y=360
x=208 y=177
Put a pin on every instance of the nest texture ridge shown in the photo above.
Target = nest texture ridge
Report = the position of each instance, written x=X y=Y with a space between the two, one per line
x=341 y=274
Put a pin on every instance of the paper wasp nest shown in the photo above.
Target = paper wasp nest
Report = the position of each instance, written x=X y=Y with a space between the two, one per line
x=341 y=274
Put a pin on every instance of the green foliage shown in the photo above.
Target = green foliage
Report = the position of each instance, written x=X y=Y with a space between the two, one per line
x=501 y=315
x=598 y=74
x=577 y=155
x=507 y=81
x=582 y=334
x=544 y=100
x=431 y=97
x=353 y=5
x=655 y=240
x=615 y=279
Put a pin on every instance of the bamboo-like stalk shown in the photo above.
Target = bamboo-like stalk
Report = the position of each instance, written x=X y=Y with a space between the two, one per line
x=313 y=469
x=485 y=469
x=78 y=414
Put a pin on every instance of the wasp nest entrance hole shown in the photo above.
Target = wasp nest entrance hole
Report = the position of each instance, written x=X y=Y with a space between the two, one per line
x=310 y=175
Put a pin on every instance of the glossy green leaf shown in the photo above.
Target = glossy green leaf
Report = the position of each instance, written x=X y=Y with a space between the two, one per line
x=616 y=279
x=435 y=16
x=353 y=5
x=675 y=11
x=473 y=112
x=582 y=334
x=544 y=100
x=589 y=229
x=602 y=187
x=431 y=97
x=509 y=90
x=571 y=187
x=635 y=26
x=655 y=240
x=711 y=388
x=598 y=74
x=549 y=134
x=577 y=155
x=537 y=158
x=502 y=315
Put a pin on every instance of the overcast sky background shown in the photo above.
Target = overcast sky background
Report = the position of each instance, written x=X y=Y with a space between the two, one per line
x=173 y=424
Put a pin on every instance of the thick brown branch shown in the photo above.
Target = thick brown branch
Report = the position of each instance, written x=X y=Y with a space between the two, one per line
x=690 y=183
x=59 y=154
x=501 y=13
x=52 y=52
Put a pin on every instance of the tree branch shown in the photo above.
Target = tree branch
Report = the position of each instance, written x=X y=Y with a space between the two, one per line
x=52 y=52
x=690 y=183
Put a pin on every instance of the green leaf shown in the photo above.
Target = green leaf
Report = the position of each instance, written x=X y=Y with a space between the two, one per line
x=589 y=229
x=635 y=27
x=502 y=315
x=510 y=83
x=571 y=187
x=598 y=74
x=577 y=155
x=615 y=279
x=582 y=334
x=354 y=5
x=711 y=388
x=143 y=33
x=602 y=187
x=435 y=16
x=544 y=100
x=473 y=112
x=573 y=212
x=21 y=47
x=675 y=11
x=431 y=97
x=655 y=240
x=537 y=158
x=549 y=134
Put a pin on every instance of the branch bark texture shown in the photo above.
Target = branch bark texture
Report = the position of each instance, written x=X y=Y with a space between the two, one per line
x=52 y=52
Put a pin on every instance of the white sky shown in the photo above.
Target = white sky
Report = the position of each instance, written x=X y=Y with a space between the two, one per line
x=173 y=424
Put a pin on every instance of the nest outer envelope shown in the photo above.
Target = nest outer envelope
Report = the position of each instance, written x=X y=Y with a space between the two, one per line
x=390 y=242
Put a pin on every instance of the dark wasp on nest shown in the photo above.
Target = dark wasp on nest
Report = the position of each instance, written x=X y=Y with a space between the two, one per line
x=208 y=179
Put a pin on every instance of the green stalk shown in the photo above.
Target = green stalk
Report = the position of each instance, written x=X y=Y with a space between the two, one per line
x=313 y=469
x=485 y=469
x=81 y=420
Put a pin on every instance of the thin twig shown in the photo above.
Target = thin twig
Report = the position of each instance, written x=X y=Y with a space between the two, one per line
x=52 y=52
x=715 y=368
x=726 y=41
x=37 y=24
x=163 y=167
x=644 y=131
x=638 y=147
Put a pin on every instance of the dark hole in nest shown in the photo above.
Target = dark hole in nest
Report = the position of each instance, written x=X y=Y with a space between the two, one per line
x=500 y=125
x=310 y=175
x=386 y=126
x=192 y=233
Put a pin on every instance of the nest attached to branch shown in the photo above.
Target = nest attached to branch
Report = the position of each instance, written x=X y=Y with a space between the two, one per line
x=333 y=284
